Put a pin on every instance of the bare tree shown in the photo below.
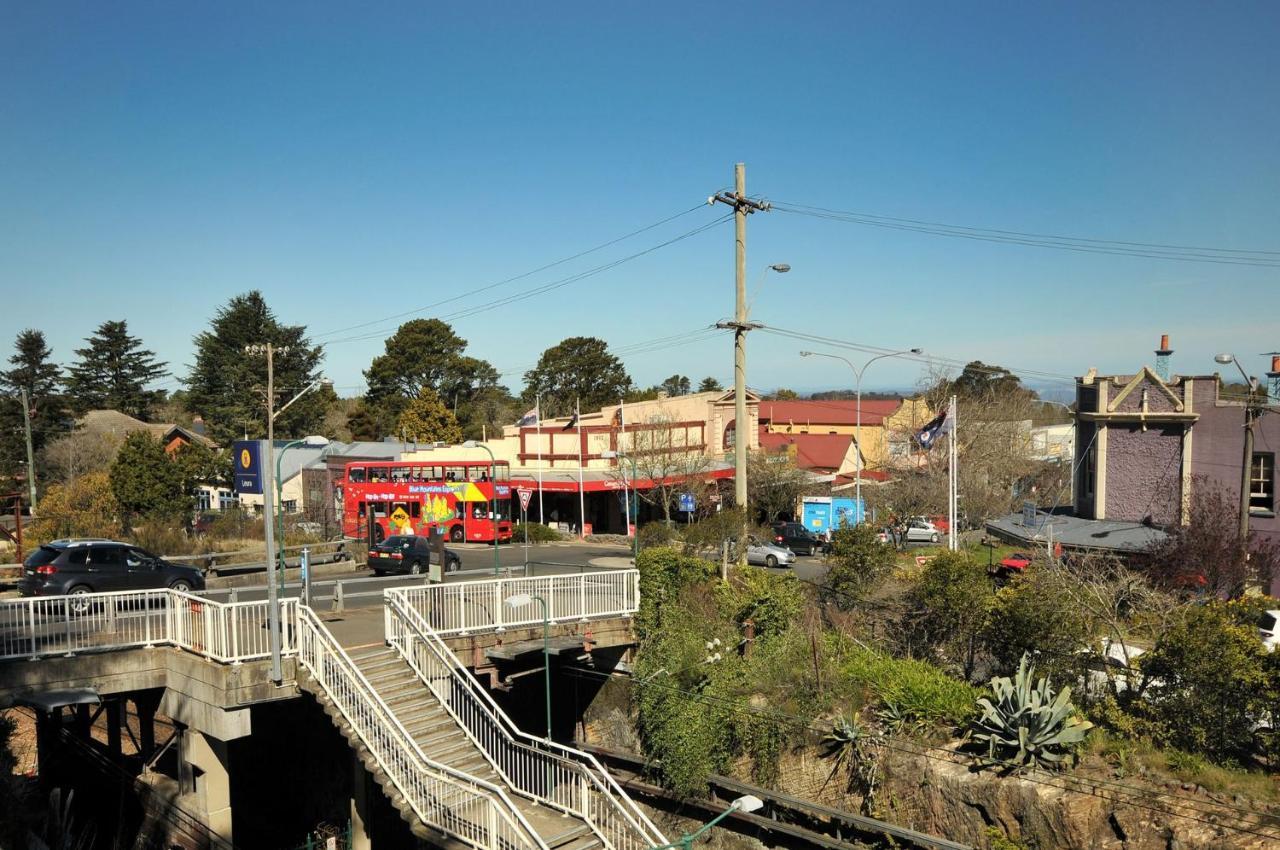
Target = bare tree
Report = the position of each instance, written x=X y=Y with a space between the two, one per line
x=774 y=483
x=671 y=456
x=79 y=453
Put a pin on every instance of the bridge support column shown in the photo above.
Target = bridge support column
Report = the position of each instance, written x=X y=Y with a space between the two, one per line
x=114 y=706
x=204 y=759
x=360 y=814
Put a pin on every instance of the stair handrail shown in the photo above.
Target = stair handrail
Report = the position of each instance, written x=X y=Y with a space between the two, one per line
x=315 y=643
x=400 y=610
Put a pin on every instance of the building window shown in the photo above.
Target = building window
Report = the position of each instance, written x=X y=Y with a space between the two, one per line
x=290 y=506
x=203 y=500
x=1262 y=484
x=730 y=433
x=226 y=500
x=1089 y=473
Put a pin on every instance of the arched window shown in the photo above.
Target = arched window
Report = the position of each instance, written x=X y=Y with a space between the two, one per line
x=730 y=434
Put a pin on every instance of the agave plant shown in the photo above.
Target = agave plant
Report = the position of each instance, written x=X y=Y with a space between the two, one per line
x=1025 y=724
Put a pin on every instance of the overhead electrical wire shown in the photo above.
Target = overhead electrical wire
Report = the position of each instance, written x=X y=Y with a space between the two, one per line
x=1149 y=250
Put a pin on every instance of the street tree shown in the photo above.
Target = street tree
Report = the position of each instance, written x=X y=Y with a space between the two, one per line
x=146 y=481
x=710 y=385
x=578 y=369
x=949 y=605
x=774 y=483
x=427 y=420
x=669 y=455
x=857 y=563
x=34 y=372
x=227 y=385
x=114 y=372
x=427 y=353
x=79 y=453
x=83 y=507
x=676 y=385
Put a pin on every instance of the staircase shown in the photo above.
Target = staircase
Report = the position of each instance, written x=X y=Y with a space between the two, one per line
x=443 y=740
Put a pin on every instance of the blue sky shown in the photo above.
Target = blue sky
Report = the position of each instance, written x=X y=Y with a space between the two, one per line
x=357 y=163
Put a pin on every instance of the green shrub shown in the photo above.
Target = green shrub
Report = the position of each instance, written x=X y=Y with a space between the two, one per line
x=657 y=534
x=917 y=690
x=538 y=533
x=773 y=602
x=858 y=562
x=707 y=535
x=664 y=572
x=1023 y=723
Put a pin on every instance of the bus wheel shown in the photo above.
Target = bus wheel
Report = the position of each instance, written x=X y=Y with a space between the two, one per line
x=455 y=534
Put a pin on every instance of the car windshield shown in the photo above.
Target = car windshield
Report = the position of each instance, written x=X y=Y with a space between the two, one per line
x=40 y=557
x=399 y=541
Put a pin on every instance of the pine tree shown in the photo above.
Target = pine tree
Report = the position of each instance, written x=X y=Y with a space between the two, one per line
x=113 y=373
x=147 y=483
x=226 y=384
x=578 y=369
x=42 y=379
x=427 y=420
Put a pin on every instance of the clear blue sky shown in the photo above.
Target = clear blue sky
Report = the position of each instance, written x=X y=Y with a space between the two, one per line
x=354 y=162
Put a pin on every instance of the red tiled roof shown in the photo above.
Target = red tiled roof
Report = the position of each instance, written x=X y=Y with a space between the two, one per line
x=827 y=412
x=878 y=475
x=813 y=451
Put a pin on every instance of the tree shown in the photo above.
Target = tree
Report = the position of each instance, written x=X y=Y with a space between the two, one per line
x=668 y=455
x=1036 y=615
x=32 y=371
x=978 y=381
x=113 y=373
x=774 y=483
x=857 y=563
x=676 y=385
x=199 y=464
x=84 y=507
x=710 y=385
x=226 y=384
x=783 y=394
x=79 y=453
x=147 y=483
x=949 y=606
x=427 y=420
x=371 y=423
x=578 y=369
x=427 y=353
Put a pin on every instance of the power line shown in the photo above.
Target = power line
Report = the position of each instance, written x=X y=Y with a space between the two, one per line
x=1186 y=253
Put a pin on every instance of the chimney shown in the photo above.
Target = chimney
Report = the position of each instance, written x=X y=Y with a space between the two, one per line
x=1273 y=380
x=197 y=425
x=1162 y=357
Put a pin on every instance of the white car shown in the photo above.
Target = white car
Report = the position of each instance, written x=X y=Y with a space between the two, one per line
x=922 y=531
x=1269 y=629
x=767 y=554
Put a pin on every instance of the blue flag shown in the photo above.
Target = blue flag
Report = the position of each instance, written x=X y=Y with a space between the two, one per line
x=938 y=425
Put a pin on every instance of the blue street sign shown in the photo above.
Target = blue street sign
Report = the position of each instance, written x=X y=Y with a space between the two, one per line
x=687 y=503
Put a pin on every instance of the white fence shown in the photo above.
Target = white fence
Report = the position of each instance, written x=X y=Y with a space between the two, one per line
x=482 y=606
x=552 y=774
x=38 y=627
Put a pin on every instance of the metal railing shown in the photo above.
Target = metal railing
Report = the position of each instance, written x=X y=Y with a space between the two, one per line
x=550 y=773
x=480 y=606
x=467 y=808
x=228 y=633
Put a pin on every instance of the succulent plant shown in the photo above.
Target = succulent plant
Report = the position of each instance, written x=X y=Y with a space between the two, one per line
x=1025 y=725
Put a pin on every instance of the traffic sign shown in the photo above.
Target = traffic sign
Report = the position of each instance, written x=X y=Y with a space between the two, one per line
x=525 y=495
x=686 y=502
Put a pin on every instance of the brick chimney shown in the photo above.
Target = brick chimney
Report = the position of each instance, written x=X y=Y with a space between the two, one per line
x=1163 y=353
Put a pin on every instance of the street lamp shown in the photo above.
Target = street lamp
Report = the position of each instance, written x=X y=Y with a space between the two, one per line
x=1252 y=410
x=745 y=803
x=635 y=542
x=493 y=504
x=857 y=427
x=519 y=600
x=314 y=441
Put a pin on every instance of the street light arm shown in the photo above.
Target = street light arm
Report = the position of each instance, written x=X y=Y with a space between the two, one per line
x=308 y=388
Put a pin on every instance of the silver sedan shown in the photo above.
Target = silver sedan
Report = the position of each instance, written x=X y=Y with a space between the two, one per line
x=768 y=554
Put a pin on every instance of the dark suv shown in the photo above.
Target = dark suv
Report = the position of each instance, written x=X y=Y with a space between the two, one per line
x=409 y=553
x=798 y=539
x=80 y=567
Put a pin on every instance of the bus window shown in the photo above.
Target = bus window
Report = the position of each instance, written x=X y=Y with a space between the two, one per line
x=399 y=474
x=502 y=472
x=379 y=508
x=474 y=473
x=504 y=509
x=415 y=474
x=432 y=473
x=455 y=473
x=415 y=509
x=356 y=475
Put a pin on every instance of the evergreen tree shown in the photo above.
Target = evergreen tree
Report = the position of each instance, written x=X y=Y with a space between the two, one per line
x=226 y=384
x=427 y=420
x=113 y=373
x=578 y=368
x=147 y=483
x=676 y=385
x=709 y=385
x=42 y=379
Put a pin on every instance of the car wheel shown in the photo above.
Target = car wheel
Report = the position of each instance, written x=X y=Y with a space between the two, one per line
x=379 y=573
x=181 y=585
x=79 y=603
x=415 y=569
x=454 y=565
x=933 y=538
x=770 y=561
x=455 y=534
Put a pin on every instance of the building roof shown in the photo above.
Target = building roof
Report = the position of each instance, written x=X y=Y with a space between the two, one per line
x=1077 y=532
x=813 y=451
x=115 y=422
x=828 y=412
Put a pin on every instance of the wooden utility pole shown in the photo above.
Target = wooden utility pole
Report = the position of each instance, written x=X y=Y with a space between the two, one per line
x=31 y=460
x=742 y=207
x=266 y=477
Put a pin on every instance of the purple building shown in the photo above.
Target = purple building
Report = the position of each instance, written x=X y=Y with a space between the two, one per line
x=1147 y=443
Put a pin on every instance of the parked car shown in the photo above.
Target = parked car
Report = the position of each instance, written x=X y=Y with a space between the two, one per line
x=77 y=568
x=938 y=521
x=1015 y=563
x=922 y=531
x=797 y=538
x=1269 y=629
x=409 y=553
x=768 y=554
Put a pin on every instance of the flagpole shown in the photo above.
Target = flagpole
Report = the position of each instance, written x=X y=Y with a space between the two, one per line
x=626 y=492
x=537 y=412
x=954 y=493
x=582 y=499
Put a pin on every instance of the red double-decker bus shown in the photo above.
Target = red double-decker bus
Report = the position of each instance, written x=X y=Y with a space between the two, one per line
x=384 y=498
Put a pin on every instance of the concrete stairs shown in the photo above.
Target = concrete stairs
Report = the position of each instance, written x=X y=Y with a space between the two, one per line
x=442 y=740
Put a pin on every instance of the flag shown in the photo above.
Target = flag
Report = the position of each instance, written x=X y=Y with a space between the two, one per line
x=573 y=420
x=530 y=418
x=938 y=425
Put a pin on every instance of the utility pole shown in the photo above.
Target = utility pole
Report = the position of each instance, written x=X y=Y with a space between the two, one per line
x=268 y=513
x=742 y=207
x=31 y=461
